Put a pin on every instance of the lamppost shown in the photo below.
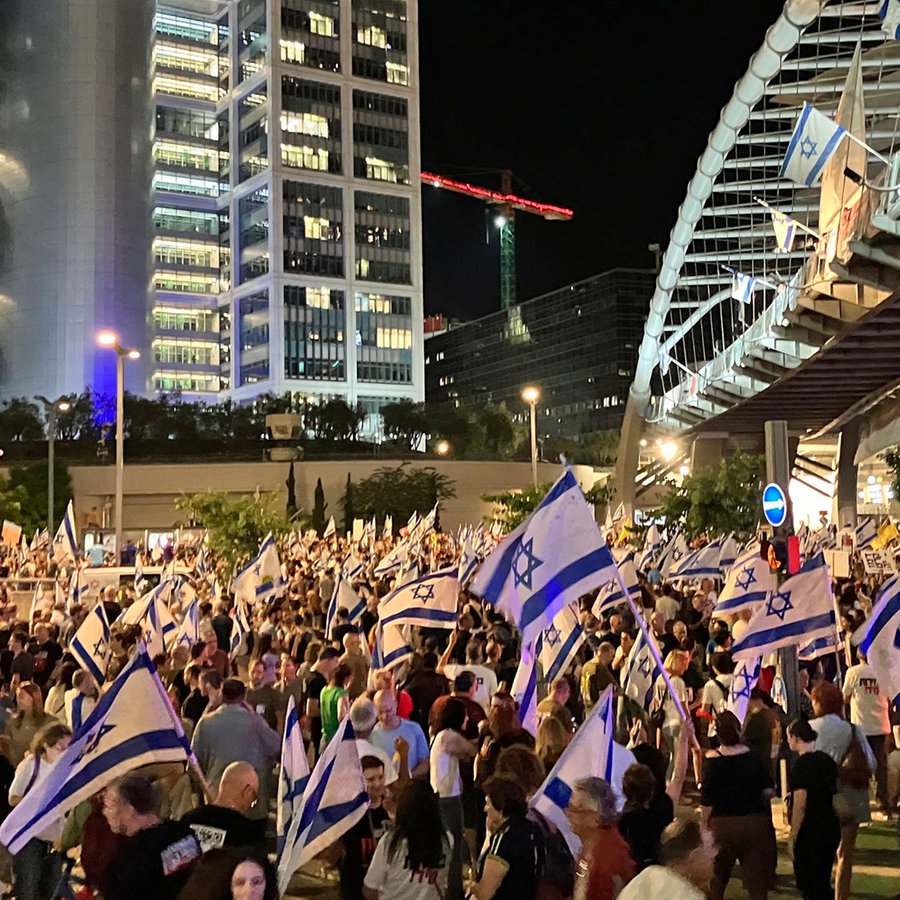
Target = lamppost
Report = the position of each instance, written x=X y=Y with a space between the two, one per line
x=51 y=408
x=442 y=448
x=111 y=340
x=531 y=395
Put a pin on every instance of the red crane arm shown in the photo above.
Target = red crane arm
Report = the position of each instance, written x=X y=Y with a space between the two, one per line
x=495 y=197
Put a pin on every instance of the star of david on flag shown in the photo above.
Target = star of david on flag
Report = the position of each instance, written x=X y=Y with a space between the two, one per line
x=747 y=584
x=550 y=560
x=261 y=580
x=430 y=601
x=641 y=672
x=90 y=643
x=815 y=140
x=746 y=674
x=132 y=725
x=560 y=642
x=801 y=610
x=65 y=542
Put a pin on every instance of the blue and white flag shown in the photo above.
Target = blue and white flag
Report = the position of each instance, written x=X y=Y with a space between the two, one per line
x=133 y=725
x=90 y=643
x=294 y=774
x=728 y=554
x=746 y=674
x=343 y=596
x=612 y=595
x=335 y=799
x=330 y=529
x=430 y=601
x=77 y=590
x=592 y=751
x=785 y=229
x=552 y=558
x=748 y=583
x=641 y=672
x=468 y=562
x=261 y=580
x=388 y=530
x=879 y=638
x=352 y=567
x=189 y=631
x=652 y=547
x=799 y=611
x=866 y=532
x=821 y=646
x=524 y=687
x=391 y=647
x=560 y=642
x=65 y=542
x=240 y=628
x=141 y=585
x=702 y=563
x=815 y=140
x=673 y=555
x=743 y=286
x=889 y=13
x=200 y=563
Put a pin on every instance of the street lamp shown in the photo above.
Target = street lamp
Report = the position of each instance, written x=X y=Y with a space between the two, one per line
x=442 y=448
x=111 y=340
x=51 y=408
x=531 y=395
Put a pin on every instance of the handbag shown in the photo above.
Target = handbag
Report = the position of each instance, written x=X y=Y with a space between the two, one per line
x=658 y=716
x=854 y=771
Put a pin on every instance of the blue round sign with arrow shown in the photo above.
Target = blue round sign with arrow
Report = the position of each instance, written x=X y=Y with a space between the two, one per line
x=774 y=505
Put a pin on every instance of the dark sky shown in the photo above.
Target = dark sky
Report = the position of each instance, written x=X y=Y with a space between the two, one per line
x=602 y=106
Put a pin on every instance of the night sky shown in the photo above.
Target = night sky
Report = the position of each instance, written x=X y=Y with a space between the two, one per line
x=602 y=106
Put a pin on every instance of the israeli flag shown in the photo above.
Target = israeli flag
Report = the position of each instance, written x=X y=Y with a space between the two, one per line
x=430 y=601
x=821 y=646
x=189 y=631
x=65 y=542
x=866 y=532
x=552 y=558
x=592 y=751
x=785 y=228
x=388 y=530
x=199 y=563
x=879 y=638
x=641 y=672
x=334 y=800
x=141 y=585
x=612 y=594
x=352 y=567
x=294 y=774
x=133 y=725
x=261 y=580
x=159 y=628
x=702 y=563
x=799 y=611
x=728 y=554
x=560 y=642
x=747 y=584
x=343 y=595
x=90 y=643
x=742 y=285
x=524 y=687
x=77 y=589
x=330 y=529
x=673 y=555
x=468 y=562
x=746 y=674
x=652 y=547
x=37 y=602
x=391 y=647
x=815 y=140
x=889 y=13
x=240 y=628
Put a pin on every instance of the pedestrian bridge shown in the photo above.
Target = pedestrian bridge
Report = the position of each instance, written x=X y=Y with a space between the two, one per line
x=745 y=325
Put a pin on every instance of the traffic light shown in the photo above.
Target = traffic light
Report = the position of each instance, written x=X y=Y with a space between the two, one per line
x=783 y=554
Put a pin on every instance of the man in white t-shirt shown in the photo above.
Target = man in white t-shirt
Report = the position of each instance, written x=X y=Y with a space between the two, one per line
x=869 y=709
x=485 y=678
x=715 y=692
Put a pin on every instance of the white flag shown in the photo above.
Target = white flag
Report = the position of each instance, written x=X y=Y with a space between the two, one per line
x=815 y=140
x=294 y=773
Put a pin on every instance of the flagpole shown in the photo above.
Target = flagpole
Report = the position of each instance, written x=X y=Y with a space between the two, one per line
x=800 y=225
x=866 y=147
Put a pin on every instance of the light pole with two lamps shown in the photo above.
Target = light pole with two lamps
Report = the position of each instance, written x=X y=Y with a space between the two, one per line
x=531 y=395
x=111 y=340
x=51 y=408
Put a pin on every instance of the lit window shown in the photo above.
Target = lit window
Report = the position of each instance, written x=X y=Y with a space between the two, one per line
x=321 y=25
x=304 y=157
x=380 y=170
x=304 y=123
x=293 y=52
x=372 y=36
x=397 y=73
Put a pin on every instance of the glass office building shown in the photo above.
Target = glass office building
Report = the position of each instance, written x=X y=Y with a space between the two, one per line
x=578 y=345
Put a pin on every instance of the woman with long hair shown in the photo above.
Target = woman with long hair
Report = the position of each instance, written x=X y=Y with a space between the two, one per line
x=815 y=829
x=25 y=722
x=231 y=873
x=552 y=739
x=848 y=747
x=334 y=701
x=37 y=868
x=675 y=664
x=412 y=861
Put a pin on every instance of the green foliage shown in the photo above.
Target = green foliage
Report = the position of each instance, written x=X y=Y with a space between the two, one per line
x=20 y=420
x=319 y=507
x=334 y=420
x=347 y=504
x=23 y=495
x=718 y=501
x=291 y=484
x=405 y=423
x=400 y=491
x=236 y=525
x=513 y=507
x=892 y=458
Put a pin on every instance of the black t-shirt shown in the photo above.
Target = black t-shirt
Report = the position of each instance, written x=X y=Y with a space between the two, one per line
x=359 y=848
x=642 y=828
x=218 y=826
x=153 y=864
x=193 y=707
x=23 y=666
x=519 y=846
x=312 y=690
x=734 y=785
x=817 y=774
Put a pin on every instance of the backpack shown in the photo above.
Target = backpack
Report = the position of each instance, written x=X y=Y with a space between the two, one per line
x=854 y=772
x=557 y=879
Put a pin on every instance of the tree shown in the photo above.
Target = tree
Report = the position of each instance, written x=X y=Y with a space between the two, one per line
x=347 y=504
x=718 y=500
x=513 y=507
x=319 y=507
x=405 y=423
x=445 y=421
x=20 y=420
x=23 y=495
x=497 y=431
x=335 y=420
x=236 y=525
x=291 y=485
x=400 y=491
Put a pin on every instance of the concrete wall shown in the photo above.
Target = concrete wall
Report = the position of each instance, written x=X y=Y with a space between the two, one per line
x=151 y=490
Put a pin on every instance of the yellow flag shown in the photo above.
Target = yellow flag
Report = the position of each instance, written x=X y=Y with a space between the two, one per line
x=887 y=532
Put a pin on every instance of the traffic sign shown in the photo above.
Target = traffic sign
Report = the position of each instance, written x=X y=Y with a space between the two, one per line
x=774 y=505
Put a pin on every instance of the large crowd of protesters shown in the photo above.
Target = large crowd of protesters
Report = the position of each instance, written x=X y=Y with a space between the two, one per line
x=449 y=768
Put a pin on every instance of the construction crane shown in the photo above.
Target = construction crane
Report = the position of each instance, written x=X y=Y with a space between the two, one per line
x=507 y=204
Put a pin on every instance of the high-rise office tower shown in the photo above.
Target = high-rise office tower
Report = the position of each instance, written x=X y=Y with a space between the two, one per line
x=288 y=200
x=284 y=202
x=75 y=168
